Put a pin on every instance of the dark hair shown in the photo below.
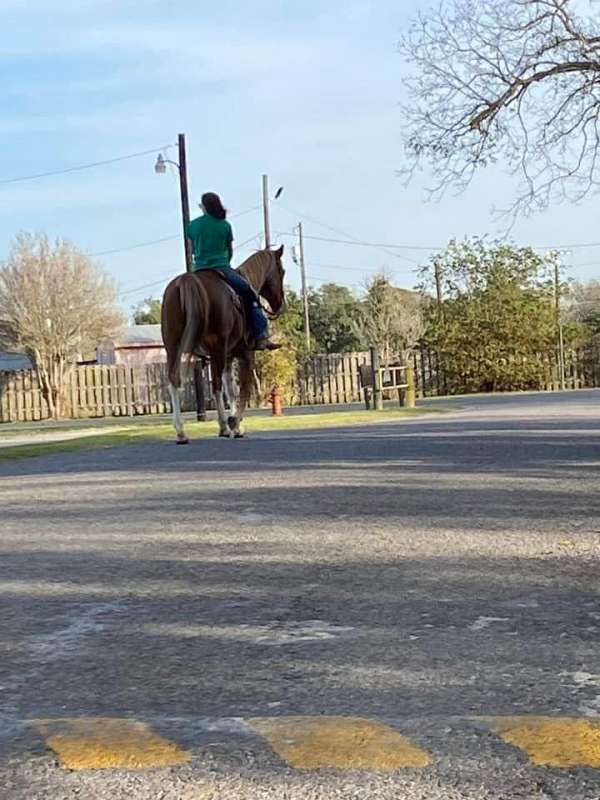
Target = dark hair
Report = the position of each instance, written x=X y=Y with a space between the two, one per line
x=213 y=206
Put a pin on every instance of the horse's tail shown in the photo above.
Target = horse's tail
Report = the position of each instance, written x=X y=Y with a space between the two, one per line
x=194 y=305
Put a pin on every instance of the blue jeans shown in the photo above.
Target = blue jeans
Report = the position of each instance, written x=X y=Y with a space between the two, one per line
x=256 y=316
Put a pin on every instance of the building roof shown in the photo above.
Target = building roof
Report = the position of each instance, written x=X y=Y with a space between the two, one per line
x=12 y=362
x=138 y=336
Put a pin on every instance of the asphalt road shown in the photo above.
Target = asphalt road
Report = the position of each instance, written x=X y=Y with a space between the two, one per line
x=258 y=618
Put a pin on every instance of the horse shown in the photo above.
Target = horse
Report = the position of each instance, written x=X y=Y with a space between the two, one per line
x=201 y=314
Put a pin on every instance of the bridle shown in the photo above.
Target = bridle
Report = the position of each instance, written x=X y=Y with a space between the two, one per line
x=273 y=315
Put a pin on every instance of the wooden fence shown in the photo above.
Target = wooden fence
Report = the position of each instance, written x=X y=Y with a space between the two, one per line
x=97 y=391
x=102 y=391
x=582 y=370
x=331 y=379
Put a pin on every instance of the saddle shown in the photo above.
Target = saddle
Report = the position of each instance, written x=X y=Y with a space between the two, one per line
x=236 y=299
x=238 y=304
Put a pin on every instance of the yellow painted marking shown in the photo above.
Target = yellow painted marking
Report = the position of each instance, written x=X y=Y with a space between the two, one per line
x=552 y=742
x=338 y=742
x=103 y=743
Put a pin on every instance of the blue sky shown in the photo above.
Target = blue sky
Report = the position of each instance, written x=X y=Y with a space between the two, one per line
x=305 y=91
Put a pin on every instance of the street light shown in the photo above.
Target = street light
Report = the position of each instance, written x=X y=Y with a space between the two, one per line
x=266 y=208
x=161 y=165
x=160 y=168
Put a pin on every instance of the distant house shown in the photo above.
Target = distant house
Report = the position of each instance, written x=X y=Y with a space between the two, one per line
x=13 y=362
x=134 y=346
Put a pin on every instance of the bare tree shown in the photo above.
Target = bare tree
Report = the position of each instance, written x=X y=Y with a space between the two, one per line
x=54 y=304
x=391 y=319
x=509 y=81
x=582 y=305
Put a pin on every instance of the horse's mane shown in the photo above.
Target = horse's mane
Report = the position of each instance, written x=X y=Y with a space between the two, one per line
x=256 y=267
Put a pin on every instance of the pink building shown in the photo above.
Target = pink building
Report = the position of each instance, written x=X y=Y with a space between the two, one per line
x=134 y=346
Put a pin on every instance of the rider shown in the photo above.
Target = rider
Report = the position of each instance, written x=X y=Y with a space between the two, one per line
x=212 y=242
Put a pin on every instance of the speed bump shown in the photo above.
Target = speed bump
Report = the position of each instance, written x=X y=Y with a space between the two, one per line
x=105 y=743
x=552 y=741
x=338 y=743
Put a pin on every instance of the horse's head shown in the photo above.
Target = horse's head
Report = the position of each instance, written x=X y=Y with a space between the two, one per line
x=272 y=288
x=264 y=271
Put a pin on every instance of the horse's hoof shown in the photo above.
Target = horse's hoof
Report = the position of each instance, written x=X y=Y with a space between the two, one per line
x=182 y=440
x=238 y=435
x=224 y=434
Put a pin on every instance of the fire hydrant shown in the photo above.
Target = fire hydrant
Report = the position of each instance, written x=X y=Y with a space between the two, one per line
x=275 y=398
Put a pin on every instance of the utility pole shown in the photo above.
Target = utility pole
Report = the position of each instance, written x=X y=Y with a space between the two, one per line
x=438 y=286
x=304 y=286
x=161 y=167
x=185 y=200
x=266 y=211
x=199 y=363
x=559 y=327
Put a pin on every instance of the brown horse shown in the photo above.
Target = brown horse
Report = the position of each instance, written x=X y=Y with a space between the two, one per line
x=202 y=314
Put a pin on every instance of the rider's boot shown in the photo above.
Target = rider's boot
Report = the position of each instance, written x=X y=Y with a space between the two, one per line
x=266 y=344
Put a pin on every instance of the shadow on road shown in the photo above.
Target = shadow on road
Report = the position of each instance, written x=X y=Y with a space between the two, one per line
x=412 y=569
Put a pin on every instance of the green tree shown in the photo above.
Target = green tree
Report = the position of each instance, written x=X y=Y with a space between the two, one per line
x=280 y=367
x=147 y=312
x=497 y=316
x=334 y=311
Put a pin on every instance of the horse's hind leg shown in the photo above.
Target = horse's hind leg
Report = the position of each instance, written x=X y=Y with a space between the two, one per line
x=177 y=416
x=218 y=368
x=242 y=389
x=174 y=370
x=233 y=391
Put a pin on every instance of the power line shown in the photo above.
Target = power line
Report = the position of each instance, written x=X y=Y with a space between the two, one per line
x=421 y=247
x=164 y=238
x=306 y=217
x=80 y=167
x=145 y=286
x=364 y=270
x=134 y=246
x=160 y=281
x=376 y=245
x=369 y=244
x=247 y=211
x=395 y=246
x=338 y=283
x=566 y=246
x=243 y=244
x=349 y=236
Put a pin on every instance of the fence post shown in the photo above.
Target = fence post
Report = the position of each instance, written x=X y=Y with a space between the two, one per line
x=410 y=396
x=199 y=390
x=4 y=413
x=377 y=391
x=129 y=399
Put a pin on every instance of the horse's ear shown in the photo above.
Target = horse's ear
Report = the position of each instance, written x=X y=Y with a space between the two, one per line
x=279 y=252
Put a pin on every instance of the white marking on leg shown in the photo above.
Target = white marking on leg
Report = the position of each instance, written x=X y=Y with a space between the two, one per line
x=221 y=413
x=246 y=373
x=233 y=390
x=177 y=417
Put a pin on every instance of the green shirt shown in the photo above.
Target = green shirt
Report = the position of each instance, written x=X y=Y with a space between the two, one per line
x=211 y=239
